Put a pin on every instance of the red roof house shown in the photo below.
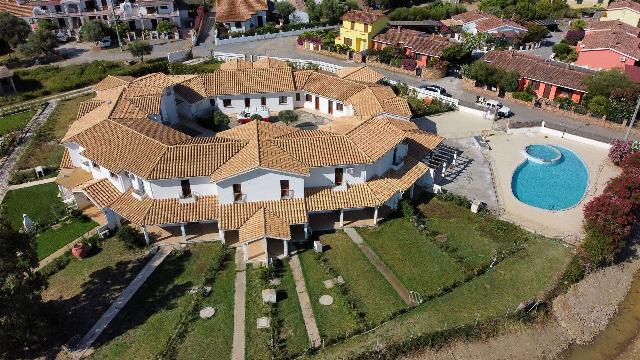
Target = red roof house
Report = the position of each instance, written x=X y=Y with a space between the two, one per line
x=422 y=46
x=608 y=49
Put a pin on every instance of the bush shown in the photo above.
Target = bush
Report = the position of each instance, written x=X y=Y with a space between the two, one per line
x=255 y=117
x=288 y=116
x=598 y=105
x=407 y=209
x=7 y=143
x=409 y=64
x=131 y=237
x=599 y=249
x=164 y=26
x=631 y=164
x=611 y=216
x=93 y=30
x=573 y=36
x=619 y=151
x=420 y=109
x=523 y=95
x=454 y=198
x=217 y=122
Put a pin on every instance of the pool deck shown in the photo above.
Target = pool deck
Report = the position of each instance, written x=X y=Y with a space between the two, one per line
x=506 y=155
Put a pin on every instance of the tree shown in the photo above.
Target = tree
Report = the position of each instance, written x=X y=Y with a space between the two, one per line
x=598 y=105
x=578 y=24
x=140 y=48
x=47 y=25
x=164 y=26
x=536 y=33
x=288 y=116
x=93 y=30
x=285 y=9
x=456 y=54
x=13 y=30
x=21 y=320
x=604 y=82
x=39 y=43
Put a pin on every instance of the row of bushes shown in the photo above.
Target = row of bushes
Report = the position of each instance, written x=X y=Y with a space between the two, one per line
x=610 y=218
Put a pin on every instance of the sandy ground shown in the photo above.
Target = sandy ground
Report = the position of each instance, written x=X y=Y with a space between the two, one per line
x=454 y=124
x=506 y=155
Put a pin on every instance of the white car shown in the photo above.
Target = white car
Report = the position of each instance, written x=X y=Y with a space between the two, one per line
x=105 y=42
x=245 y=115
x=502 y=110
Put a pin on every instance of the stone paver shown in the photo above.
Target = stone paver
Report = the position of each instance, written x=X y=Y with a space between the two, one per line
x=305 y=303
x=382 y=268
x=32 y=183
x=84 y=347
x=237 y=352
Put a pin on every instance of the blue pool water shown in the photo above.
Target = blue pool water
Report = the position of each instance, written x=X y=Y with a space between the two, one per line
x=553 y=186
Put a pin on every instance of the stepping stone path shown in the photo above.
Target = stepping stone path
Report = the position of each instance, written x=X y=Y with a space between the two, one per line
x=329 y=284
x=207 y=312
x=264 y=323
x=326 y=300
x=339 y=280
x=275 y=282
x=269 y=296
x=205 y=289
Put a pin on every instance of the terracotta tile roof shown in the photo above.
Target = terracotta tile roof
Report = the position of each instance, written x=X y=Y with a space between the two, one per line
x=91 y=113
x=70 y=178
x=616 y=40
x=470 y=16
x=266 y=63
x=628 y=4
x=363 y=74
x=492 y=23
x=236 y=64
x=375 y=137
x=167 y=211
x=264 y=224
x=612 y=25
x=112 y=81
x=131 y=208
x=12 y=7
x=364 y=17
x=233 y=216
x=101 y=192
x=535 y=68
x=322 y=148
x=418 y=42
x=354 y=196
x=66 y=162
x=421 y=143
x=238 y=10
x=178 y=161
x=331 y=86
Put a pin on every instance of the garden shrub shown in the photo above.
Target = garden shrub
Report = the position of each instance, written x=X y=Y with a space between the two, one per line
x=409 y=64
x=217 y=122
x=256 y=117
x=631 y=163
x=454 y=198
x=599 y=249
x=610 y=215
x=573 y=36
x=420 y=109
x=598 y=105
x=619 y=151
x=524 y=96
x=131 y=237
x=407 y=209
x=288 y=116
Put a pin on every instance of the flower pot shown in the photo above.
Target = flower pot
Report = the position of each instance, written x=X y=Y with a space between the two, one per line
x=80 y=250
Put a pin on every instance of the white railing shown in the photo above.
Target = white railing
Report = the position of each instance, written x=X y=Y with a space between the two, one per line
x=228 y=56
x=422 y=93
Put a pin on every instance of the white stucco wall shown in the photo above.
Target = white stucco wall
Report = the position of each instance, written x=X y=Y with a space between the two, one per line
x=251 y=23
x=171 y=188
x=347 y=110
x=260 y=185
x=238 y=104
x=325 y=176
x=168 y=107
x=386 y=161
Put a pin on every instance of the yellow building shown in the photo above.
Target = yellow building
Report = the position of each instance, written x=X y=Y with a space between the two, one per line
x=359 y=27
x=587 y=4
x=626 y=11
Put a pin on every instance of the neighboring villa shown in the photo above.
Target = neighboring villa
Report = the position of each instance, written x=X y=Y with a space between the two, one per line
x=72 y=14
x=547 y=80
x=258 y=185
x=609 y=48
x=588 y=4
x=360 y=27
x=423 y=47
x=241 y=15
x=478 y=22
x=627 y=11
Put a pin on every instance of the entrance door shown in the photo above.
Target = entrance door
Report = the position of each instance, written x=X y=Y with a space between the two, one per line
x=547 y=91
x=260 y=21
x=338 y=176
x=317 y=103
x=284 y=189
x=330 y=107
x=186 y=188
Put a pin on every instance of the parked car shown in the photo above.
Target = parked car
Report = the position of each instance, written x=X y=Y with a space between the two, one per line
x=503 y=111
x=436 y=89
x=62 y=37
x=105 y=42
x=245 y=115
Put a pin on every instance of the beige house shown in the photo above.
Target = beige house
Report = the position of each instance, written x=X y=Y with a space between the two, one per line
x=587 y=4
x=626 y=11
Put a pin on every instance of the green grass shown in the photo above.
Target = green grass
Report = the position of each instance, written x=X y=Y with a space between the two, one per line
x=84 y=289
x=15 y=122
x=530 y=273
x=40 y=203
x=416 y=260
x=257 y=340
x=52 y=239
x=378 y=299
x=336 y=320
x=44 y=149
x=213 y=338
x=473 y=239
x=293 y=333
x=149 y=319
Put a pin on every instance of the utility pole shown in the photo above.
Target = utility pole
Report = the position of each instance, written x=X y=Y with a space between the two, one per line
x=115 y=22
x=633 y=119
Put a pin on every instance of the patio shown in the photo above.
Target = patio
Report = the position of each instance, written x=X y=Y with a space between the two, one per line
x=94 y=214
x=172 y=234
x=351 y=218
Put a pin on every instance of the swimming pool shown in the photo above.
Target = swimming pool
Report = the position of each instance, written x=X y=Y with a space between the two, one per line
x=552 y=177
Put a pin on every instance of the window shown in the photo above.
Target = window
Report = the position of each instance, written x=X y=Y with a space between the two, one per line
x=282 y=100
x=226 y=102
x=396 y=161
x=308 y=98
x=186 y=188
x=353 y=25
x=237 y=192
x=164 y=7
x=263 y=101
x=212 y=102
x=95 y=165
x=339 y=106
x=284 y=189
x=338 y=176
x=366 y=27
x=238 y=25
x=348 y=41
x=247 y=102
x=297 y=96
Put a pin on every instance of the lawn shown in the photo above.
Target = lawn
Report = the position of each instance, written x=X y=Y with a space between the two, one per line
x=336 y=320
x=530 y=273
x=257 y=340
x=15 y=122
x=148 y=321
x=52 y=239
x=414 y=258
x=44 y=149
x=473 y=239
x=77 y=295
x=213 y=338
x=378 y=299
x=293 y=333
x=40 y=203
